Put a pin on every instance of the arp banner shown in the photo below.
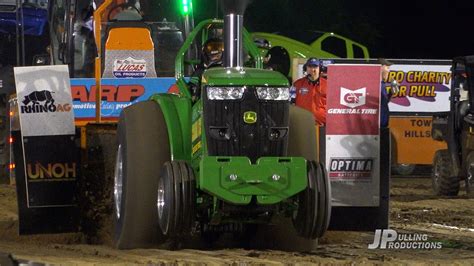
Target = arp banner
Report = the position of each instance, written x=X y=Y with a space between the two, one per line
x=352 y=134
x=116 y=94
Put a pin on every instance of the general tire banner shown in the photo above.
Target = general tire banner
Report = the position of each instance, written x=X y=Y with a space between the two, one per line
x=44 y=100
x=352 y=134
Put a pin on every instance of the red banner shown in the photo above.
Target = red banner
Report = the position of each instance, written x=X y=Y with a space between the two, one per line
x=353 y=100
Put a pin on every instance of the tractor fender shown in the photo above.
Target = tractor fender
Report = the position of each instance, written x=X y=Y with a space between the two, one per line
x=177 y=113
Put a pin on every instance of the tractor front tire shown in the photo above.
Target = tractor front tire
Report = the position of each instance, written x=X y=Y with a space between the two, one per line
x=176 y=200
x=307 y=219
x=317 y=195
x=143 y=149
x=444 y=184
x=324 y=200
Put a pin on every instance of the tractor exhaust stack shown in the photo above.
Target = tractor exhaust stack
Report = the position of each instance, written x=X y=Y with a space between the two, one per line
x=233 y=24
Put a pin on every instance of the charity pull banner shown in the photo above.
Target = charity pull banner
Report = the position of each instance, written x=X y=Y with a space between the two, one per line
x=422 y=88
x=44 y=100
x=352 y=134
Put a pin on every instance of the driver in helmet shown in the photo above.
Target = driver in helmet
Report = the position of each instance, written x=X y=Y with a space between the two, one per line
x=212 y=53
x=211 y=56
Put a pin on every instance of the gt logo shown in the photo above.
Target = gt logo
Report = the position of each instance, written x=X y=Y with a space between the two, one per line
x=250 y=117
x=352 y=98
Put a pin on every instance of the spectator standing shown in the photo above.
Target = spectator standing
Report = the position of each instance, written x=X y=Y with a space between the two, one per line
x=387 y=91
x=309 y=92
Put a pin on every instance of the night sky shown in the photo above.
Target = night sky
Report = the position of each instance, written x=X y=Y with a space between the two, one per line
x=392 y=29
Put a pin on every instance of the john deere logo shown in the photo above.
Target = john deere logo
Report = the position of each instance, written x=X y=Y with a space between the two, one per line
x=250 y=117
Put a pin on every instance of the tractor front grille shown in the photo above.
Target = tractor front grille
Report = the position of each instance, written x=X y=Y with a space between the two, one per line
x=228 y=135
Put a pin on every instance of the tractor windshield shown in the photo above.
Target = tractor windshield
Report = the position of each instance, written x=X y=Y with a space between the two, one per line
x=73 y=40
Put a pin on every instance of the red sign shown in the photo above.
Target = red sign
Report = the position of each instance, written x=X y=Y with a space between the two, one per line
x=353 y=97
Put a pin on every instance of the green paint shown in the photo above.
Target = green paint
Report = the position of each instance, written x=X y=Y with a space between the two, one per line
x=177 y=113
x=252 y=179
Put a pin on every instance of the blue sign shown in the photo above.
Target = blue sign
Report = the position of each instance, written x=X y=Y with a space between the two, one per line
x=116 y=94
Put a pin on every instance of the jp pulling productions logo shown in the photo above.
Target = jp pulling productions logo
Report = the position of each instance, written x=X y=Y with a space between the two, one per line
x=390 y=239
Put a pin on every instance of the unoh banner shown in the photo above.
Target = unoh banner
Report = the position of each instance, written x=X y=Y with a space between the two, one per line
x=352 y=134
x=423 y=88
x=116 y=94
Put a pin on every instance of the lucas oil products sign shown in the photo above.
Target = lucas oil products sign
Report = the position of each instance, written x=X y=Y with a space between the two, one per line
x=129 y=68
x=352 y=134
x=44 y=99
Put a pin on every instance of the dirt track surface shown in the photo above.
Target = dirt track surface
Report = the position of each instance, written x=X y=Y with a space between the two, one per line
x=413 y=210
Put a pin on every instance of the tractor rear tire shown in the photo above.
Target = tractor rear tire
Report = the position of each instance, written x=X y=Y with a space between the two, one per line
x=176 y=200
x=302 y=137
x=444 y=184
x=143 y=149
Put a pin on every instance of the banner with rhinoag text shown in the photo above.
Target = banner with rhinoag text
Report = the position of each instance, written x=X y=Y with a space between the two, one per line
x=352 y=134
x=44 y=100
x=45 y=151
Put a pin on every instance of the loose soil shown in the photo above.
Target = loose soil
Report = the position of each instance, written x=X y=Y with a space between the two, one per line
x=414 y=209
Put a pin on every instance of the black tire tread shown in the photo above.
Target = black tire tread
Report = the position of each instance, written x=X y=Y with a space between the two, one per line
x=182 y=191
x=141 y=128
x=447 y=185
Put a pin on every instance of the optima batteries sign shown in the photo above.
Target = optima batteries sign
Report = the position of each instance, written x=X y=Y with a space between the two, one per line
x=352 y=134
x=44 y=99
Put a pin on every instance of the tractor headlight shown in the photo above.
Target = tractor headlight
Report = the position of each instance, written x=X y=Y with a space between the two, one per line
x=273 y=93
x=225 y=93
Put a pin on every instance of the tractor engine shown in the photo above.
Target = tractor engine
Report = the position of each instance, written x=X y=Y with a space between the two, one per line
x=249 y=121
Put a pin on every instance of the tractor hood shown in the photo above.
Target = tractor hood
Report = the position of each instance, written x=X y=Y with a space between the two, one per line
x=243 y=76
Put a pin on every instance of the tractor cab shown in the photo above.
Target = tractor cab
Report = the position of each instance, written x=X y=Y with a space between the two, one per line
x=456 y=164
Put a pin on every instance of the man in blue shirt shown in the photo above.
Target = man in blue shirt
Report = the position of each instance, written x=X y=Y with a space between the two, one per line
x=386 y=94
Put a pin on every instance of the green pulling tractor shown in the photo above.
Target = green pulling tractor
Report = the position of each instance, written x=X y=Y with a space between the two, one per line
x=234 y=156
